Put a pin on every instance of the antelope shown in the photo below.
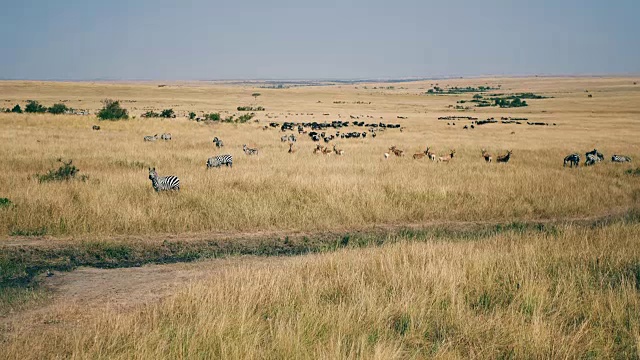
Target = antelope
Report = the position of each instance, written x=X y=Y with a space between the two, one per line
x=337 y=151
x=326 y=151
x=386 y=155
x=487 y=157
x=419 y=155
x=396 y=152
x=291 y=150
x=430 y=154
x=505 y=158
x=318 y=149
x=447 y=158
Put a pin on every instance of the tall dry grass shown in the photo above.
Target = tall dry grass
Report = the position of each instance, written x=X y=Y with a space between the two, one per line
x=279 y=191
x=562 y=293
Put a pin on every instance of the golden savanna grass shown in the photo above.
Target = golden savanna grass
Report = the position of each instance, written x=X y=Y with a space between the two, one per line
x=300 y=191
x=564 y=292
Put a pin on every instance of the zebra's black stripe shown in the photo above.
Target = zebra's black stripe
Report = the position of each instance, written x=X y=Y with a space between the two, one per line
x=163 y=183
x=220 y=160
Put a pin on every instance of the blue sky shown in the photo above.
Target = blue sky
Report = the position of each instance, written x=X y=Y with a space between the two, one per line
x=258 y=39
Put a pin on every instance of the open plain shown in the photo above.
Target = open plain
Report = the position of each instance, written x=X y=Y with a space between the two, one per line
x=417 y=258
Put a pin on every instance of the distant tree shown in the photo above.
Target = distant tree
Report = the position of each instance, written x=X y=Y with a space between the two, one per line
x=111 y=110
x=58 y=109
x=255 y=95
x=477 y=96
x=167 y=113
x=192 y=115
x=213 y=116
x=34 y=107
x=17 y=109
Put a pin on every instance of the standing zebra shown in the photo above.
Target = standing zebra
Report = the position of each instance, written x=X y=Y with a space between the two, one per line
x=151 y=138
x=165 y=136
x=249 y=151
x=596 y=154
x=620 y=158
x=572 y=160
x=218 y=142
x=163 y=183
x=220 y=160
x=591 y=160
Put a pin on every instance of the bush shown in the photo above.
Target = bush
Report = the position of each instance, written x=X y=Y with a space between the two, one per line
x=4 y=202
x=34 y=107
x=111 y=110
x=65 y=172
x=244 y=118
x=212 y=116
x=150 y=114
x=58 y=109
x=250 y=108
x=167 y=113
x=17 y=109
x=192 y=115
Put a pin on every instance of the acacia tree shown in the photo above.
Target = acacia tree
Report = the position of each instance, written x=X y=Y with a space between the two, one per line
x=255 y=95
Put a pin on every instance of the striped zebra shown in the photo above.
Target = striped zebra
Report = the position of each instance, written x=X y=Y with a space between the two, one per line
x=572 y=160
x=151 y=138
x=591 y=160
x=283 y=138
x=218 y=142
x=166 y=136
x=163 y=183
x=220 y=160
x=249 y=151
x=620 y=158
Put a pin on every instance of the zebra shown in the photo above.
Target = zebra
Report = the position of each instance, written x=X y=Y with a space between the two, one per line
x=163 y=183
x=249 y=151
x=595 y=153
x=591 y=159
x=218 y=142
x=166 y=136
x=283 y=138
x=620 y=158
x=220 y=160
x=95 y=127
x=292 y=138
x=572 y=160
x=151 y=138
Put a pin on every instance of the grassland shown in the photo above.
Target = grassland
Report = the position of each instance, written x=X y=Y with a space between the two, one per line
x=561 y=292
x=395 y=258
x=303 y=192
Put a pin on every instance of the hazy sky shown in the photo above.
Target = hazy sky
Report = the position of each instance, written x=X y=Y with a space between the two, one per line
x=249 y=39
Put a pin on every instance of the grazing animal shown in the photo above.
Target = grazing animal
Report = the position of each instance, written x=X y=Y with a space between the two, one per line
x=572 y=160
x=337 y=151
x=430 y=154
x=386 y=155
x=396 y=151
x=591 y=160
x=326 y=151
x=487 y=157
x=447 y=158
x=220 y=160
x=218 y=142
x=318 y=149
x=595 y=153
x=151 y=138
x=419 y=155
x=166 y=136
x=292 y=138
x=504 y=158
x=95 y=127
x=249 y=151
x=620 y=158
x=163 y=183
x=291 y=149
x=283 y=138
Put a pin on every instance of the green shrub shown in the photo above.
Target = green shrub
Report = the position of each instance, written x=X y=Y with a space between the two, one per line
x=150 y=114
x=17 y=109
x=58 y=109
x=34 y=107
x=250 y=108
x=4 y=202
x=192 y=115
x=111 y=110
x=244 y=118
x=212 y=116
x=167 y=113
x=65 y=172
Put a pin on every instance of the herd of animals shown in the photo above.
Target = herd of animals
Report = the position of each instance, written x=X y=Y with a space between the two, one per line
x=173 y=183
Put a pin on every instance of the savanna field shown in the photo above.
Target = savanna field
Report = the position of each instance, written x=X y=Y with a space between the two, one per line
x=398 y=257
